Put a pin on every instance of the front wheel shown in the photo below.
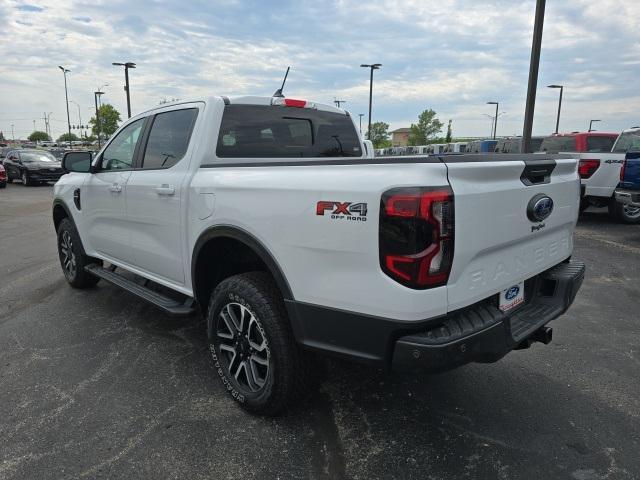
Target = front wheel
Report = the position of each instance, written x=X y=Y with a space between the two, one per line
x=26 y=181
x=254 y=352
x=624 y=213
x=72 y=257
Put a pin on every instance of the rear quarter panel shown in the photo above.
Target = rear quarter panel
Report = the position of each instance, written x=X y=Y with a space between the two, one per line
x=327 y=260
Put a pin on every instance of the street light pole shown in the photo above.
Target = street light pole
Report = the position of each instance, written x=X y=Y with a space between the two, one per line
x=126 y=66
x=561 y=87
x=361 y=115
x=66 y=96
x=374 y=66
x=495 y=121
x=534 y=66
x=95 y=97
x=591 y=124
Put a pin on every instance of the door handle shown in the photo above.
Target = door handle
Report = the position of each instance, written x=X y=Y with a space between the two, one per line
x=166 y=189
x=116 y=188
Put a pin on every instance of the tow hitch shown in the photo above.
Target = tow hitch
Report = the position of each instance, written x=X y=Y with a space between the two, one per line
x=542 y=335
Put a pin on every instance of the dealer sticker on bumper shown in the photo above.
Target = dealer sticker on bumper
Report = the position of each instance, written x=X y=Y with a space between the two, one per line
x=512 y=297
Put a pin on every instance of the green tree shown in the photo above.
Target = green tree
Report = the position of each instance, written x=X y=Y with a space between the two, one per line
x=379 y=134
x=427 y=127
x=65 y=137
x=449 y=133
x=109 y=120
x=38 y=136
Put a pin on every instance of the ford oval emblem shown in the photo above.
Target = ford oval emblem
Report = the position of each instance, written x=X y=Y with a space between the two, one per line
x=539 y=208
x=512 y=292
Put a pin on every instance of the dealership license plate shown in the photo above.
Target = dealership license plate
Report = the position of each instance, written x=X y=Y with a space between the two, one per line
x=512 y=297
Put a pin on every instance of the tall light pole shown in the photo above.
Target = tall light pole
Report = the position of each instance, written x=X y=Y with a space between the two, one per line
x=561 y=87
x=534 y=66
x=361 y=115
x=373 y=66
x=13 y=136
x=338 y=102
x=591 y=124
x=495 y=121
x=66 y=96
x=96 y=95
x=127 y=66
x=79 y=117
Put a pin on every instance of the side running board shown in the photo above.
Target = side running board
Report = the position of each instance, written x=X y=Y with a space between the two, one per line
x=169 y=305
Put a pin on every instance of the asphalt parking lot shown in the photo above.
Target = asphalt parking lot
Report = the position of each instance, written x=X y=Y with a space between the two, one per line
x=96 y=384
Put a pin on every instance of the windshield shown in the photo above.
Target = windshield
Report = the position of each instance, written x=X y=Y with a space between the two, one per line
x=627 y=141
x=37 y=157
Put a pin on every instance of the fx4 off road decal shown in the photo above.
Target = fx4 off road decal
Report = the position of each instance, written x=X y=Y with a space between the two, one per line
x=356 y=212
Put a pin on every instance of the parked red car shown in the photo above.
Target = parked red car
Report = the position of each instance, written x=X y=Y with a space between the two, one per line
x=581 y=142
x=3 y=177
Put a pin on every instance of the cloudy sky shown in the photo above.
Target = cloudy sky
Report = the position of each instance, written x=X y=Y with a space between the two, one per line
x=449 y=55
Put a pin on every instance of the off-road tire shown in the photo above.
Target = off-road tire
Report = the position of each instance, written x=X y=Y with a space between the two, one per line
x=622 y=212
x=289 y=376
x=69 y=241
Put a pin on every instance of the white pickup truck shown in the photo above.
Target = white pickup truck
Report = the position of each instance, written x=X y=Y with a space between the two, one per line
x=266 y=214
x=600 y=174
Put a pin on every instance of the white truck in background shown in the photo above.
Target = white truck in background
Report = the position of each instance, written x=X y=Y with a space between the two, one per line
x=600 y=174
x=266 y=216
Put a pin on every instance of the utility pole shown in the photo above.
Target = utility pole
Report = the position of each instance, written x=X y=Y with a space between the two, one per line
x=66 y=96
x=373 y=66
x=96 y=95
x=126 y=66
x=534 y=66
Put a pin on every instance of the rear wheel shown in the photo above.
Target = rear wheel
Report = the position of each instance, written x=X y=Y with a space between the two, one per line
x=72 y=257
x=624 y=213
x=254 y=352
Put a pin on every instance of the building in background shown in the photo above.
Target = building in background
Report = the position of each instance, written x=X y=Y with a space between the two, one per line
x=400 y=137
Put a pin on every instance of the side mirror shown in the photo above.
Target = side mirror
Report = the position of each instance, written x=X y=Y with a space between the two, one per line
x=77 y=162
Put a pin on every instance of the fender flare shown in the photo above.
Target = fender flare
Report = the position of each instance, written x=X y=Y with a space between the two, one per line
x=60 y=203
x=241 y=235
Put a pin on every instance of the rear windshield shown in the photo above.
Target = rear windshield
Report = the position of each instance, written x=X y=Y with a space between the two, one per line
x=628 y=141
x=558 y=144
x=600 y=144
x=265 y=131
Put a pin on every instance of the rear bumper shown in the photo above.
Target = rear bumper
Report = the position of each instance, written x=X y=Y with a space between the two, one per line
x=628 y=197
x=482 y=333
x=478 y=333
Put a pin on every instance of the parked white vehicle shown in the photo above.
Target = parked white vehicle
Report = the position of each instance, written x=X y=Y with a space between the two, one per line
x=600 y=174
x=266 y=215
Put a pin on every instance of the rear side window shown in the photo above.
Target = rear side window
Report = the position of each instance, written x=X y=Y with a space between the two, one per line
x=265 y=131
x=558 y=144
x=169 y=138
x=628 y=141
x=600 y=144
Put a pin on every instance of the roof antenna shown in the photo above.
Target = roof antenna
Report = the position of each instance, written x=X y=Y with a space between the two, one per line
x=279 y=91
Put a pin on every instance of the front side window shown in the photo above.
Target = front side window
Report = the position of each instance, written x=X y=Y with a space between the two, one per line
x=119 y=154
x=169 y=138
x=265 y=131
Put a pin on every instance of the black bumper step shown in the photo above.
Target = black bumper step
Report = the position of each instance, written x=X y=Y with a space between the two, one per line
x=169 y=305
x=483 y=333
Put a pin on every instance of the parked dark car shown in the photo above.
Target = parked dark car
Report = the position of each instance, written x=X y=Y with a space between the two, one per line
x=32 y=166
x=514 y=145
x=3 y=177
x=582 y=142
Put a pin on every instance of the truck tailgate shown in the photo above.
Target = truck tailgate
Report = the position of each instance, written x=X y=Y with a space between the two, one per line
x=497 y=244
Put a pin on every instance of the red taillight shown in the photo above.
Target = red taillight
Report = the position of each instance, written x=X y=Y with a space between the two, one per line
x=622 y=170
x=586 y=168
x=417 y=236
